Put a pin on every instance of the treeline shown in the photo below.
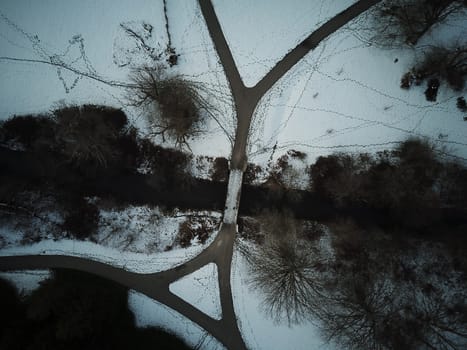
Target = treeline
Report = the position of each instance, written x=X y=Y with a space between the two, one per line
x=410 y=185
x=75 y=310
x=68 y=154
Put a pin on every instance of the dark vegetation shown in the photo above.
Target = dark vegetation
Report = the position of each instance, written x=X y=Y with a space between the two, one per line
x=173 y=104
x=407 y=22
x=378 y=289
x=439 y=64
x=283 y=267
x=390 y=269
x=410 y=185
x=74 y=153
x=75 y=310
x=195 y=227
x=390 y=292
x=402 y=22
x=220 y=170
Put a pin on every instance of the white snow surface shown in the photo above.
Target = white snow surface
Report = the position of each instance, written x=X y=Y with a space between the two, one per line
x=345 y=97
x=149 y=312
x=26 y=281
x=260 y=33
x=200 y=289
x=233 y=194
x=136 y=262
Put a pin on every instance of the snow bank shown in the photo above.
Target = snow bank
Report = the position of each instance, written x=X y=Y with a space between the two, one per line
x=136 y=262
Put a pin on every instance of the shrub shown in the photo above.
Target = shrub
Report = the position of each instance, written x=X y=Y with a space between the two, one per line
x=251 y=173
x=168 y=166
x=82 y=219
x=461 y=104
x=33 y=132
x=174 y=103
x=89 y=133
x=195 y=227
x=339 y=177
x=220 y=171
x=439 y=64
x=249 y=229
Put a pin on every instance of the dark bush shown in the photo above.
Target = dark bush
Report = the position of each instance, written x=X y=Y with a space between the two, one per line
x=194 y=227
x=220 y=171
x=88 y=134
x=33 y=132
x=461 y=104
x=251 y=173
x=174 y=103
x=296 y=154
x=437 y=65
x=168 y=166
x=250 y=229
x=400 y=22
x=401 y=184
x=82 y=219
x=431 y=92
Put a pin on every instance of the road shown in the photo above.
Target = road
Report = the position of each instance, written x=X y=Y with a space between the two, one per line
x=246 y=99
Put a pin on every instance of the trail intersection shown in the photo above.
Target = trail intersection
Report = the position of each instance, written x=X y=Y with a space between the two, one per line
x=220 y=251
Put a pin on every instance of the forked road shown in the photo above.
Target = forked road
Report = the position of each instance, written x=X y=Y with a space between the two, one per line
x=220 y=251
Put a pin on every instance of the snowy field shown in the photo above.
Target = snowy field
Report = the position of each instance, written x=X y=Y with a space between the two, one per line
x=344 y=96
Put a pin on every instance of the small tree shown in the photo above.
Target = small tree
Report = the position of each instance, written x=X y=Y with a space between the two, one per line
x=174 y=104
x=284 y=269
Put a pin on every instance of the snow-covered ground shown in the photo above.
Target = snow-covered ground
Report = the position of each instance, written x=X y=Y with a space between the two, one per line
x=136 y=238
x=151 y=313
x=200 y=289
x=344 y=96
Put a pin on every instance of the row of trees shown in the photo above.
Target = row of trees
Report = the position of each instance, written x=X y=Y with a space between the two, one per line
x=370 y=291
x=65 y=152
x=409 y=184
x=401 y=286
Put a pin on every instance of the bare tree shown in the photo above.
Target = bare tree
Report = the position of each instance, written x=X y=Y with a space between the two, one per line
x=401 y=22
x=356 y=312
x=375 y=299
x=174 y=104
x=285 y=269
